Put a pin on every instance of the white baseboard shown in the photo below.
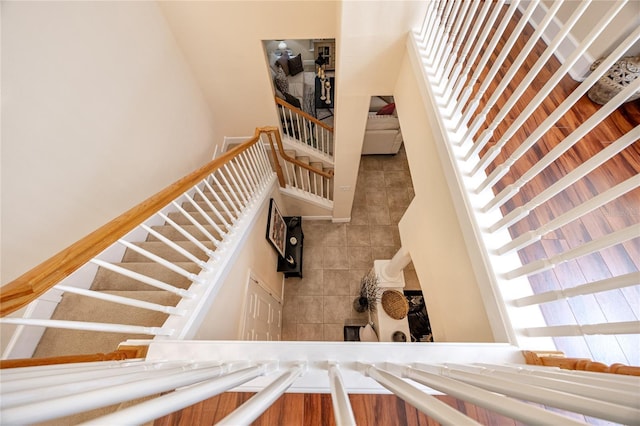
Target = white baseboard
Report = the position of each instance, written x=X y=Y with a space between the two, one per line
x=341 y=219
x=581 y=68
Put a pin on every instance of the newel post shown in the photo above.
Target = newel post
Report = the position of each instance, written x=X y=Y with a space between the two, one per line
x=390 y=272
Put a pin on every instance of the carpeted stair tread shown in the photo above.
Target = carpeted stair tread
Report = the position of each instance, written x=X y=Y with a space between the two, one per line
x=161 y=249
x=174 y=235
x=79 y=308
x=108 y=280
x=181 y=219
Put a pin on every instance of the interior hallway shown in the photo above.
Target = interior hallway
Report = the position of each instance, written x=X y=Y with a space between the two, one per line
x=338 y=255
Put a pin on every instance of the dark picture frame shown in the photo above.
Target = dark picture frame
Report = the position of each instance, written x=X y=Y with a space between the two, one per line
x=276 y=228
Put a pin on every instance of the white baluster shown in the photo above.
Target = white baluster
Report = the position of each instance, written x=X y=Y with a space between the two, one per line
x=592 y=246
x=433 y=31
x=607 y=284
x=498 y=64
x=162 y=261
x=548 y=87
x=571 y=215
x=441 y=81
x=234 y=193
x=239 y=179
x=88 y=326
x=440 y=35
x=204 y=215
x=440 y=64
x=448 y=37
x=181 y=398
x=479 y=45
x=456 y=74
x=202 y=264
x=342 y=411
x=171 y=310
x=187 y=235
x=570 y=178
x=424 y=402
x=501 y=404
x=213 y=208
x=247 y=167
x=63 y=406
x=85 y=382
x=508 y=78
x=251 y=410
x=545 y=396
x=627 y=327
x=488 y=51
x=143 y=278
x=226 y=196
x=531 y=75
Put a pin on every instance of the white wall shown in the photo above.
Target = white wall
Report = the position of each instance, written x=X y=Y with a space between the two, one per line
x=430 y=230
x=370 y=47
x=99 y=111
x=223 y=42
x=224 y=319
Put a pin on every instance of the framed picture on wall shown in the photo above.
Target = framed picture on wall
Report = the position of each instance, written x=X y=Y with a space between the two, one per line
x=276 y=228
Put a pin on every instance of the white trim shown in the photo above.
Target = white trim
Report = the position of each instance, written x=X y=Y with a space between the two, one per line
x=310 y=198
x=581 y=69
x=316 y=218
x=341 y=219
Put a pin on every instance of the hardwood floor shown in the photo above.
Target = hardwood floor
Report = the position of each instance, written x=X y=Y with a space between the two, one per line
x=316 y=409
x=610 y=306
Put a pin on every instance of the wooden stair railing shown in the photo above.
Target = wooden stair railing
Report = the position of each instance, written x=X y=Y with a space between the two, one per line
x=557 y=359
x=300 y=112
x=32 y=284
x=122 y=353
x=280 y=150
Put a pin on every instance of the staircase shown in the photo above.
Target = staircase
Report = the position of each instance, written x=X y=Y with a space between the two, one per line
x=74 y=307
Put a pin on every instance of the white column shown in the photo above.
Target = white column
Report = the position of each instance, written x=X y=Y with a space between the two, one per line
x=390 y=272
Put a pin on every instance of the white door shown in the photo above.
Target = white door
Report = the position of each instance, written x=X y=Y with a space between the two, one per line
x=263 y=313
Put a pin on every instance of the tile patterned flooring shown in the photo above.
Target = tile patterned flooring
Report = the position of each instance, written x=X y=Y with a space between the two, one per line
x=338 y=255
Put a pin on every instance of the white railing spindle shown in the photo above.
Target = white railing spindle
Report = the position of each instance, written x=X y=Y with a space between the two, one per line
x=342 y=410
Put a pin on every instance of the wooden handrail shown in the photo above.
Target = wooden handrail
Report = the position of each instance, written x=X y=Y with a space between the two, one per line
x=328 y=175
x=557 y=359
x=298 y=111
x=122 y=353
x=29 y=286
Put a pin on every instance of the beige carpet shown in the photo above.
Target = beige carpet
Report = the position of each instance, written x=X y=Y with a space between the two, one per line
x=58 y=342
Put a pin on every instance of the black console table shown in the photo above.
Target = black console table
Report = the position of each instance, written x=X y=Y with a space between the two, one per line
x=294 y=229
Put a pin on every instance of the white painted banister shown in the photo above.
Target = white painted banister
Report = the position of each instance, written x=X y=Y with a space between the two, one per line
x=176 y=247
x=122 y=300
x=426 y=403
x=342 y=411
x=588 y=406
x=186 y=234
x=570 y=178
x=195 y=223
x=508 y=78
x=498 y=64
x=108 y=395
x=89 y=326
x=548 y=87
x=571 y=215
x=162 y=261
x=607 y=284
x=625 y=327
x=499 y=403
x=142 y=278
x=617 y=237
x=458 y=75
x=251 y=410
x=488 y=51
x=533 y=175
x=581 y=7
x=181 y=398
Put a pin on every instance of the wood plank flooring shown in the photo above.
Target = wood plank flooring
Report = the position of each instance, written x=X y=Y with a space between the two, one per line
x=610 y=306
x=317 y=410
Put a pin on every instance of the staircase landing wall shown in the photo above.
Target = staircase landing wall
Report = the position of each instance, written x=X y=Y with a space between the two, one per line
x=433 y=230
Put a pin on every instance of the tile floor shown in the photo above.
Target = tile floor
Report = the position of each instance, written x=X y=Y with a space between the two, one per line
x=338 y=255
